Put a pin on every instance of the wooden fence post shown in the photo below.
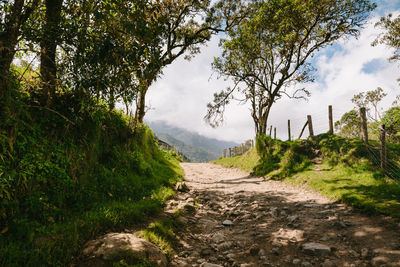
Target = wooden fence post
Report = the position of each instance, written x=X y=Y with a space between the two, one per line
x=230 y=153
x=270 y=131
x=302 y=130
x=224 y=153
x=364 y=128
x=275 y=133
x=383 y=149
x=330 y=120
x=288 y=127
x=310 y=126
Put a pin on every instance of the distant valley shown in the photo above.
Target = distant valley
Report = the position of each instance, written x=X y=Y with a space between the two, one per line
x=195 y=147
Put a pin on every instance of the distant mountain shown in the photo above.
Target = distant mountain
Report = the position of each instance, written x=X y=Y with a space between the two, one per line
x=196 y=147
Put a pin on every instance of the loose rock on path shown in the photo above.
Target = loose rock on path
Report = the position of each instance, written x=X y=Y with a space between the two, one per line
x=245 y=221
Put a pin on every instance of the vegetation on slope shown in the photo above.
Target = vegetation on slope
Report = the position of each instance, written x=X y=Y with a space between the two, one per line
x=246 y=162
x=343 y=169
x=70 y=173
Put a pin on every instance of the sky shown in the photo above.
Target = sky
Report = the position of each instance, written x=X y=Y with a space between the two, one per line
x=180 y=96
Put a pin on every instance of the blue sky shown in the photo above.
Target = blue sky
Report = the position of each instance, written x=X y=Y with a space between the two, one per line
x=350 y=66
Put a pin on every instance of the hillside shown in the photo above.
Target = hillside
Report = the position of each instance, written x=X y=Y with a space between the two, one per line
x=342 y=169
x=68 y=179
x=191 y=153
x=196 y=147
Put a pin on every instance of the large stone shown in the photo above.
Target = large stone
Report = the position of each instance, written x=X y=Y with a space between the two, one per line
x=328 y=263
x=218 y=238
x=292 y=235
x=225 y=245
x=116 y=246
x=182 y=187
x=316 y=248
x=379 y=261
x=207 y=264
x=227 y=223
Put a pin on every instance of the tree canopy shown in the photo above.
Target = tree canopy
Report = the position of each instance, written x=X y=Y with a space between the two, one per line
x=370 y=100
x=112 y=50
x=391 y=34
x=268 y=54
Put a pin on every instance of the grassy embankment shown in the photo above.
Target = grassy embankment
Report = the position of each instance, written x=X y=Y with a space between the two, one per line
x=72 y=173
x=339 y=168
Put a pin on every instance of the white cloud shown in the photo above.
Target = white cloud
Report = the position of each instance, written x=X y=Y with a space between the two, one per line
x=181 y=94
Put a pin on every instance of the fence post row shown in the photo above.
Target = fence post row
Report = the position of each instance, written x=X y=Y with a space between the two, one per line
x=310 y=126
x=364 y=128
x=330 y=119
x=383 y=148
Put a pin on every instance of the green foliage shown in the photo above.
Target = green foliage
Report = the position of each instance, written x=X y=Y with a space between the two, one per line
x=336 y=149
x=269 y=151
x=245 y=162
x=163 y=233
x=273 y=156
x=391 y=35
x=293 y=161
x=391 y=120
x=70 y=173
x=370 y=100
x=285 y=158
x=349 y=125
x=357 y=185
x=170 y=154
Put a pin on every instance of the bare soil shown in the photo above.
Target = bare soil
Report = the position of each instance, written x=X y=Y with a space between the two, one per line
x=242 y=220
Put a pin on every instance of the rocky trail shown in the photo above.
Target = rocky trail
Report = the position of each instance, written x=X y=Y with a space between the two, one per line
x=245 y=221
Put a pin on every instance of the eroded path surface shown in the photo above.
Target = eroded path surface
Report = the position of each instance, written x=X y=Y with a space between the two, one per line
x=244 y=221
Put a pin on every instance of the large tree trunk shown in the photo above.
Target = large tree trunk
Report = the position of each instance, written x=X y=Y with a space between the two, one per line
x=48 y=44
x=8 y=42
x=264 y=118
x=141 y=106
x=6 y=58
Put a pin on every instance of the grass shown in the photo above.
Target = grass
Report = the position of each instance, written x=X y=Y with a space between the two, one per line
x=163 y=233
x=359 y=187
x=246 y=162
x=348 y=172
x=64 y=183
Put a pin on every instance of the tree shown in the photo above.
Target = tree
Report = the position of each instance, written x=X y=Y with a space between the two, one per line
x=391 y=120
x=268 y=53
x=102 y=52
x=370 y=99
x=391 y=36
x=12 y=18
x=48 y=46
x=185 y=26
x=120 y=48
x=349 y=125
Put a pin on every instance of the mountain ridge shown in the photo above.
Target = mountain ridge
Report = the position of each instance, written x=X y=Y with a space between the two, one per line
x=196 y=147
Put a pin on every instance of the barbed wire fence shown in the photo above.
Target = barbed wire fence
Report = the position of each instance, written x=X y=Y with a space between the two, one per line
x=320 y=122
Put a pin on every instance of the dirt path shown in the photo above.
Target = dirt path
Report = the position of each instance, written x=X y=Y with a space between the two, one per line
x=245 y=221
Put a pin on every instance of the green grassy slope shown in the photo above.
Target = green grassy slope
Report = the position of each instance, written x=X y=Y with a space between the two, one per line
x=246 y=162
x=72 y=173
x=339 y=168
